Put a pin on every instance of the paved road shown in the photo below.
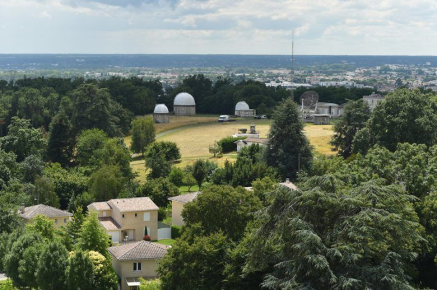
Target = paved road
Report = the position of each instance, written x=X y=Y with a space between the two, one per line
x=2 y=277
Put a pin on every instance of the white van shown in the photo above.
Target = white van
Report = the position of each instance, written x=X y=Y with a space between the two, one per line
x=223 y=118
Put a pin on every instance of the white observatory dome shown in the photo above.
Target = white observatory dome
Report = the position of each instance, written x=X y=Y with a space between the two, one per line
x=241 y=106
x=160 y=109
x=184 y=99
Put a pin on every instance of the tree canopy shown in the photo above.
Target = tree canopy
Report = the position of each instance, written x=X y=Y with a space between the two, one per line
x=403 y=116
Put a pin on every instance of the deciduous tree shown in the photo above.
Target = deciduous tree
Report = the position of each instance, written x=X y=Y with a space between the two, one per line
x=52 y=263
x=356 y=114
x=143 y=134
x=92 y=236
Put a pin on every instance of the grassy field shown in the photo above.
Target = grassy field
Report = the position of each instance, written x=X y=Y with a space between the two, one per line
x=194 y=141
x=195 y=134
x=319 y=137
x=177 y=122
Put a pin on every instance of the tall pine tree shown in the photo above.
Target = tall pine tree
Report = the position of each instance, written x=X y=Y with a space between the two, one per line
x=288 y=148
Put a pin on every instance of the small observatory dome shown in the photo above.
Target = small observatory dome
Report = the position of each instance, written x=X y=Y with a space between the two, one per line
x=161 y=109
x=184 y=99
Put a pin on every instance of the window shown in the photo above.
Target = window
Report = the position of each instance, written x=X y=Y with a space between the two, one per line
x=65 y=220
x=147 y=216
x=122 y=215
x=56 y=221
x=104 y=214
x=136 y=214
x=137 y=266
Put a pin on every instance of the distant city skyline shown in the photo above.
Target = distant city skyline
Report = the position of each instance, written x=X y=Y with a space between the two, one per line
x=330 y=27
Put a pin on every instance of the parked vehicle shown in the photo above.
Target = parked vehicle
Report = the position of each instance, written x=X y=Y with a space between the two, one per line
x=257 y=117
x=223 y=118
x=264 y=117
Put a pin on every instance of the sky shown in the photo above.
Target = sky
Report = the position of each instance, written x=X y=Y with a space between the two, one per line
x=321 y=27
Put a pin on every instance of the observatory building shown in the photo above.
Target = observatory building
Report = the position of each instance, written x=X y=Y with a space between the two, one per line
x=317 y=112
x=242 y=110
x=161 y=114
x=184 y=105
x=373 y=100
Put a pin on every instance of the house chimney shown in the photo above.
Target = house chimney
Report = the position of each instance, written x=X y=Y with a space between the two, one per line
x=22 y=208
x=287 y=180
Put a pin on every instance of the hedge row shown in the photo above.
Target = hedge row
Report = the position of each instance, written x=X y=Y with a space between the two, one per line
x=227 y=144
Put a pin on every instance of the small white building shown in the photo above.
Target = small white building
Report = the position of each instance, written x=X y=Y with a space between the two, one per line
x=242 y=109
x=330 y=109
x=250 y=141
x=372 y=100
x=161 y=114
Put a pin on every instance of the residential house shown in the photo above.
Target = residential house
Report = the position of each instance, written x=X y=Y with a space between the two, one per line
x=134 y=260
x=177 y=205
x=128 y=219
x=59 y=217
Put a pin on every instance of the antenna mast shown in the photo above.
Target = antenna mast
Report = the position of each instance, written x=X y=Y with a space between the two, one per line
x=292 y=56
x=292 y=65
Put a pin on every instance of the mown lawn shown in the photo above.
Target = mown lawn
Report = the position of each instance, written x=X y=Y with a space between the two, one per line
x=194 y=135
x=167 y=242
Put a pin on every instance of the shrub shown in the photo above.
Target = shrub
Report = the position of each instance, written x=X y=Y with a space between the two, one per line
x=175 y=232
x=147 y=238
x=227 y=144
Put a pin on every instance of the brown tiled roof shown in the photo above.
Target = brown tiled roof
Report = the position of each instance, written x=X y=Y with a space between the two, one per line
x=185 y=198
x=99 y=206
x=109 y=223
x=133 y=204
x=41 y=209
x=142 y=250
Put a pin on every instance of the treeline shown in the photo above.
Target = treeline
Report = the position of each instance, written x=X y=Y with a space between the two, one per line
x=41 y=99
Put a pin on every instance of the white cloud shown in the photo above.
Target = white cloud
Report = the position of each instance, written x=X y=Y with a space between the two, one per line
x=44 y=14
x=220 y=26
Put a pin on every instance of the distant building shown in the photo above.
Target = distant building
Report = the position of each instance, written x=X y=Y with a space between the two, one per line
x=322 y=119
x=372 y=100
x=184 y=105
x=59 y=217
x=316 y=112
x=135 y=260
x=242 y=132
x=330 y=109
x=161 y=114
x=242 y=110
